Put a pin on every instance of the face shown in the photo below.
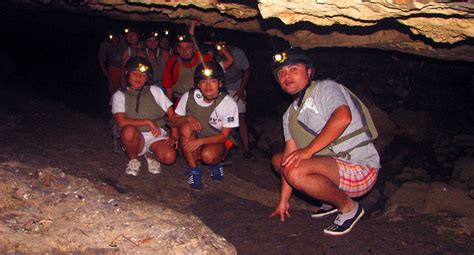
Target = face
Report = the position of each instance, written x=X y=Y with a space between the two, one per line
x=185 y=50
x=152 y=43
x=293 y=78
x=164 y=43
x=132 y=38
x=136 y=79
x=209 y=88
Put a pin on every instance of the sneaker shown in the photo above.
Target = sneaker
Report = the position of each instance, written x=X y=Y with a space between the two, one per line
x=248 y=155
x=133 y=167
x=217 y=172
x=343 y=224
x=195 y=178
x=324 y=211
x=154 y=166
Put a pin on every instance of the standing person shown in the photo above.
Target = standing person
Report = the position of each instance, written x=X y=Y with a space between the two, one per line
x=205 y=118
x=235 y=82
x=133 y=46
x=156 y=56
x=328 y=153
x=140 y=110
x=179 y=70
x=110 y=57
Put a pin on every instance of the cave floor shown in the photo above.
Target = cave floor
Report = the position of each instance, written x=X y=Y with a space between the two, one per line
x=44 y=133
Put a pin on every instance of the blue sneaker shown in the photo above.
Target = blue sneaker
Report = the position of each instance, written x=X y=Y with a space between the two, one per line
x=195 y=178
x=217 y=172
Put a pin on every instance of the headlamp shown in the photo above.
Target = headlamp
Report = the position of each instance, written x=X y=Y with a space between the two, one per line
x=155 y=34
x=207 y=72
x=111 y=36
x=181 y=38
x=126 y=30
x=167 y=32
x=279 y=57
x=220 y=45
x=142 y=68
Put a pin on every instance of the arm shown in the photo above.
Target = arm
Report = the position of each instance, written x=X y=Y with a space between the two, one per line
x=102 y=56
x=125 y=57
x=123 y=121
x=219 y=138
x=228 y=58
x=337 y=123
x=285 y=190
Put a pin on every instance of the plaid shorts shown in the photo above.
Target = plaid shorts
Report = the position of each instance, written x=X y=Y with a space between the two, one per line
x=356 y=180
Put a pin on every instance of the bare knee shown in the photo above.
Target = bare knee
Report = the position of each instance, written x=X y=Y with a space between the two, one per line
x=276 y=161
x=128 y=133
x=209 y=157
x=294 y=177
x=185 y=130
x=168 y=157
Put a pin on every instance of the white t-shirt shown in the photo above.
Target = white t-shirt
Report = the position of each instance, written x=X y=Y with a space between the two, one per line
x=317 y=110
x=225 y=114
x=118 y=100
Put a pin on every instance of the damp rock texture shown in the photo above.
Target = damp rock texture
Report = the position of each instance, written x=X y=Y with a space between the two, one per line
x=46 y=211
x=433 y=28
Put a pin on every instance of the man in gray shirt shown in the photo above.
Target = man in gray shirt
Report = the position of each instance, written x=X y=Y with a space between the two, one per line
x=317 y=159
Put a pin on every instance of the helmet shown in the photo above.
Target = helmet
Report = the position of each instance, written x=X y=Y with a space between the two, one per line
x=184 y=38
x=150 y=34
x=140 y=64
x=130 y=30
x=291 y=56
x=208 y=70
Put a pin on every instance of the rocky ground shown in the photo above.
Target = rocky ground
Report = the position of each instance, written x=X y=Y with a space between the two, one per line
x=64 y=190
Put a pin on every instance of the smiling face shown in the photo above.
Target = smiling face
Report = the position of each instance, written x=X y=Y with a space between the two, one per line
x=209 y=89
x=136 y=79
x=293 y=77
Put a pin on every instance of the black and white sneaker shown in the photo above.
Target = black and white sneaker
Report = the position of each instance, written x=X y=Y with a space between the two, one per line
x=344 y=222
x=324 y=211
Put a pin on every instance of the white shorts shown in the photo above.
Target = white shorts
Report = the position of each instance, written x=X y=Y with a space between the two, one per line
x=150 y=139
x=240 y=103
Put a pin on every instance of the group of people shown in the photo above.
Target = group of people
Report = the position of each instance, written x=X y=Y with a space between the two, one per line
x=200 y=95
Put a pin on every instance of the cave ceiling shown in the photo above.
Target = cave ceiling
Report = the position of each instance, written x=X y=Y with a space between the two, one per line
x=438 y=29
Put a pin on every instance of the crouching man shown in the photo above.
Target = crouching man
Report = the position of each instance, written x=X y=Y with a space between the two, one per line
x=205 y=118
x=328 y=152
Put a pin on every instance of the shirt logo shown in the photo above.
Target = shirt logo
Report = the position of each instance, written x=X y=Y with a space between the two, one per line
x=230 y=119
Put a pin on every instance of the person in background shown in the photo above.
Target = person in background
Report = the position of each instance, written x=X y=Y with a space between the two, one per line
x=156 y=56
x=133 y=46
x=236 y=80
x=329 y=154
x=140 y=110
x=205 y=118
x=110 y=57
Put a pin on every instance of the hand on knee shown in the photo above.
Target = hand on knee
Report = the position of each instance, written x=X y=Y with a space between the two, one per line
x=185 y=130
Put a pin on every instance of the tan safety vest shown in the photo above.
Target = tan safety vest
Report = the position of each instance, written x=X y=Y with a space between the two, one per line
x=185 y=80
x=202 y=113
x=147 y=107
x=303 y=137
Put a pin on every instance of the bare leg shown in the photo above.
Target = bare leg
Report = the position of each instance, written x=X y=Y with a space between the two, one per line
x=186 y=135
x=243 y=131
x=212 y=154
x=163 y=152
x=319 y=178
x=133 y=141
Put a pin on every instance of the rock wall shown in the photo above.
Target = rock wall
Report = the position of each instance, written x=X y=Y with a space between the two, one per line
x=439 y=29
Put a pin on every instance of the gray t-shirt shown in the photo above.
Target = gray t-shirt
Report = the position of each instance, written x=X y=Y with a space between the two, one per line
x=240 y=63
x=317 y=110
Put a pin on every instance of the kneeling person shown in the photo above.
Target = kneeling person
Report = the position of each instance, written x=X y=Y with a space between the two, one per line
x=140 y=110
x=205 y=118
